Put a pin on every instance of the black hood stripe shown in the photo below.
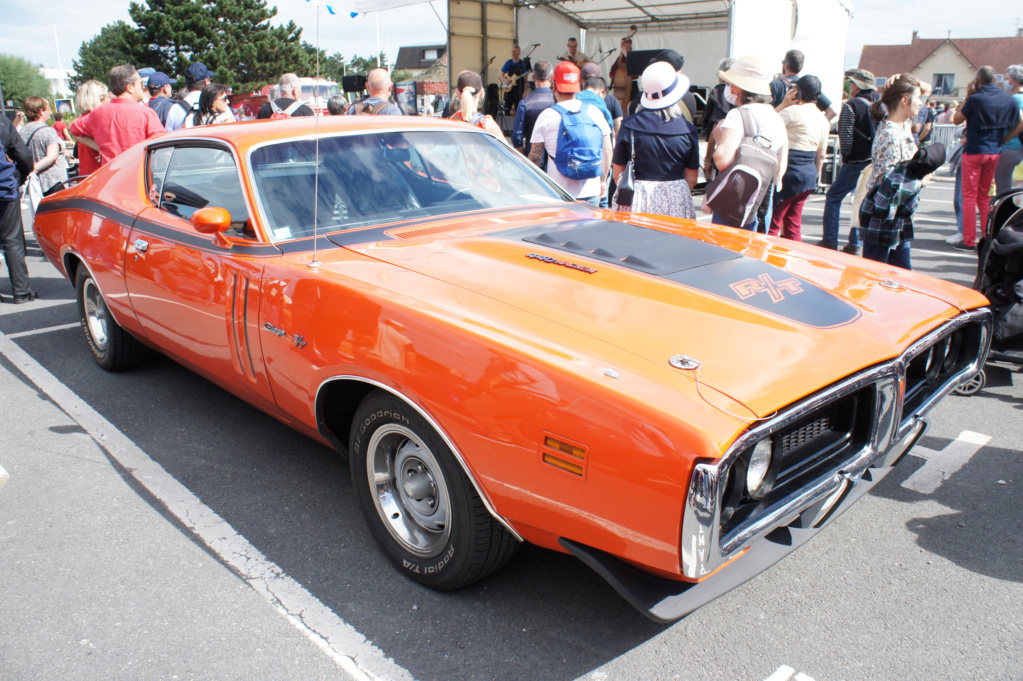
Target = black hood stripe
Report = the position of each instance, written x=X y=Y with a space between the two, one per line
x=695 y=264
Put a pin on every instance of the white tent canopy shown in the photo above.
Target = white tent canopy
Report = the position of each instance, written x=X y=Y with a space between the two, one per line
x=618 y=15
x=703 y=31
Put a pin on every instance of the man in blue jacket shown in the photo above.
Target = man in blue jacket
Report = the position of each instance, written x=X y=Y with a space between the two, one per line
x=12 y=232
x=991 y=116
x=530 y=108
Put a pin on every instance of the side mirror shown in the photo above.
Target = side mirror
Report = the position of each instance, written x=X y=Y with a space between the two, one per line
x=211 y=220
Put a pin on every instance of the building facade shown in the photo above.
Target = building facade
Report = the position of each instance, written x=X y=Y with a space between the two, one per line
x=948 y=64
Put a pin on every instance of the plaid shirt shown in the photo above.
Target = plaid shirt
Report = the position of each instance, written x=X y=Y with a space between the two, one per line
x=886 y=214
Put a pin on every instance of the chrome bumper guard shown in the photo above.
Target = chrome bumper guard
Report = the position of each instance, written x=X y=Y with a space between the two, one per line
x=794 y=520
x=704 y=549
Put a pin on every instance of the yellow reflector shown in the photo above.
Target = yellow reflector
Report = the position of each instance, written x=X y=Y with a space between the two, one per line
x=571 y=450
x=562 y=464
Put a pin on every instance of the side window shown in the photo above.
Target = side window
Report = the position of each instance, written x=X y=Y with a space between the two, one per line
x=158 y=161
x=197 y=177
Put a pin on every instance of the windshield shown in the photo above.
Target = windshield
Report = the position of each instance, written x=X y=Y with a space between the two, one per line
x=319 y=92
x=385 y=177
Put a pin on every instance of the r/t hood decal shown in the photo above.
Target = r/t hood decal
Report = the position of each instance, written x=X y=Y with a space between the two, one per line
x=695 y=264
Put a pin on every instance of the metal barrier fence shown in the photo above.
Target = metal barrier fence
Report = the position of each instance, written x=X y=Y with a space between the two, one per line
x=943 y=133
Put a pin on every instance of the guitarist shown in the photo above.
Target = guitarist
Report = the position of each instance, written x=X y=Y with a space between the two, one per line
x=574 y=55
x=513 y=79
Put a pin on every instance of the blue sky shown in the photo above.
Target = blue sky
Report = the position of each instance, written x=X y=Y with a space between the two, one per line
x=36 y=30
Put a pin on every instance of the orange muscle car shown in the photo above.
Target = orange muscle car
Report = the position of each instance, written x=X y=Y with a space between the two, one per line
x=677 y=404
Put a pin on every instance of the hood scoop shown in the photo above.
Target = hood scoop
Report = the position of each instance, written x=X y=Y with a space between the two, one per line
x=695 y=264
x=638 y=248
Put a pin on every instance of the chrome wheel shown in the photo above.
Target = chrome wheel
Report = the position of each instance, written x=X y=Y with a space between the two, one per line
x=410 y=493
x=96 y=315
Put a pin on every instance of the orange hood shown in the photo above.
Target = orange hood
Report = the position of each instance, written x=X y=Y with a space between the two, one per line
x=767 y=320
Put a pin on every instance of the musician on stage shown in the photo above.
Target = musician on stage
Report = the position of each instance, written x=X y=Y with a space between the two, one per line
x=622 y=84
x=574 y=55
x=513 y=79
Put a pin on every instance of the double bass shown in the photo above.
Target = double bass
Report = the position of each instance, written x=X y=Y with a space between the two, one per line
x=621 y=81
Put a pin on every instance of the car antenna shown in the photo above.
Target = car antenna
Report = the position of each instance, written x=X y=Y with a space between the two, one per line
x=315 y=262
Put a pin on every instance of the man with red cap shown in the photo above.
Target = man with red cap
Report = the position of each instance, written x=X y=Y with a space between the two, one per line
x=590 y=184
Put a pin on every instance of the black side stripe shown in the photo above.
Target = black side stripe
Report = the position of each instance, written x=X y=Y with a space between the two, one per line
x=127 y=220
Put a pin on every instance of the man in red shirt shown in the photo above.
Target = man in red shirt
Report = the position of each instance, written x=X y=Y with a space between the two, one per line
x=123 y=121
x=61 y=127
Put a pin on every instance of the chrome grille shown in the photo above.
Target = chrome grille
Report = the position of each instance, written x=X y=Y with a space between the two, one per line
x=809 y=430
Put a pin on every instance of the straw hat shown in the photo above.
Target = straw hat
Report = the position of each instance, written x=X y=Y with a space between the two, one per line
x=750 y=73
x=662 y=86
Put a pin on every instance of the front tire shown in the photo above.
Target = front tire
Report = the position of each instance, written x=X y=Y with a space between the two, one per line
x=419 y=504
x=112 y=347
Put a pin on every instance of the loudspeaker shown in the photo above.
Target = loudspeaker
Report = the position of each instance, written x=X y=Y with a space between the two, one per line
x=353 y=83
x=640 y=59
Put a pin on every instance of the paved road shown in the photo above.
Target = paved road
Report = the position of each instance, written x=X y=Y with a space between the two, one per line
x=155 y=527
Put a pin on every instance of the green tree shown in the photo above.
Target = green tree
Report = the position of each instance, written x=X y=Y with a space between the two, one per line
x=334 y=67
x=234 y=38
x=363 y=65
x=20 y=78
x=116 y=44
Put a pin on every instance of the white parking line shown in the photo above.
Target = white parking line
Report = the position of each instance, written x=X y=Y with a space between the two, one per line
x=787 y=673
x=4 y=477
x=48 y=329
x=942 y=465
x=338 y=639
x=946 y=254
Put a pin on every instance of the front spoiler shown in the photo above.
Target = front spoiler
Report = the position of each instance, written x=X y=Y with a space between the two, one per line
x=665 y=600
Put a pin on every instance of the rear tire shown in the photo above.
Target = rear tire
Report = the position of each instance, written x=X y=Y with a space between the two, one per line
x=112 y=347
x=419 y=504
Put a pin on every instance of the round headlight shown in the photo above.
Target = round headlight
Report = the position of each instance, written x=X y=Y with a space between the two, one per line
x=758 y=468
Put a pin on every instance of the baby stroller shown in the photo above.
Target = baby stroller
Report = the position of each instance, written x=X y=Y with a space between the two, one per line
x=1000 y=278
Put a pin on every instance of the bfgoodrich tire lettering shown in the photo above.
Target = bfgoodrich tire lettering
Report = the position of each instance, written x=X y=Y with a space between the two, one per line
x=112 y=347
x=419 y=504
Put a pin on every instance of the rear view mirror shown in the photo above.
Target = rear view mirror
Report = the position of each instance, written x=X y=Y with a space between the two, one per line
x=210 y=220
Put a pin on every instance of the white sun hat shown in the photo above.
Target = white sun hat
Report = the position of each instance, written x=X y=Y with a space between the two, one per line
x=751 y=73
x=662 y=86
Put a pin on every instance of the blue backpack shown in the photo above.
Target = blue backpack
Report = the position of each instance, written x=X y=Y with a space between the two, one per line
x=580 y=143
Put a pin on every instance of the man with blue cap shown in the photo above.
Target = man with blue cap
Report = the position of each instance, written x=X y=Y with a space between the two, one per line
x=161 y=100
x=197 y=76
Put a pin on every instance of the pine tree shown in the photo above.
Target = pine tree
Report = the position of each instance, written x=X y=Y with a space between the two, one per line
x=234 y=38
x=116 y=44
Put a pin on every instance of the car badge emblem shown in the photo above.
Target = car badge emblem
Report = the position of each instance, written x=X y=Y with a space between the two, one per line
x=766 y=284
x=564 y=263
x=893 y=285
x=281 y=333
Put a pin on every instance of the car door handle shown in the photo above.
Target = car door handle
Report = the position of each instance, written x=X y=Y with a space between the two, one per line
x=141 y=246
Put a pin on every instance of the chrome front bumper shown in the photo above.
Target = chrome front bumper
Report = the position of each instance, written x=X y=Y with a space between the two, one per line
x=704 y=548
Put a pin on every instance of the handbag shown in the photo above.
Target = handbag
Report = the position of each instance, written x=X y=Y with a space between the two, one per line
x=31 y=195
x=627 y=180
x=738 y=191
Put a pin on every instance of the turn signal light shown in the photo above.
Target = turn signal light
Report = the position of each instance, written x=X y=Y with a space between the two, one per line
x=564 y=455
x=562 y=464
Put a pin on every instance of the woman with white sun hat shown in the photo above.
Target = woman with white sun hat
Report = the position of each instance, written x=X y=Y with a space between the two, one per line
x=663 y=147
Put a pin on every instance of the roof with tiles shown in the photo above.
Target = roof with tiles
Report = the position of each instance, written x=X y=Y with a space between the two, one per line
x=884 y=60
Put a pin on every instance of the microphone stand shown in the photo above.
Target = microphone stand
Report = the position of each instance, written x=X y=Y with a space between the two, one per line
x=608 y=54
x=486 y=66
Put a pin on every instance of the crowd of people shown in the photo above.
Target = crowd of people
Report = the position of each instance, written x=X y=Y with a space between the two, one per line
x=633 y=145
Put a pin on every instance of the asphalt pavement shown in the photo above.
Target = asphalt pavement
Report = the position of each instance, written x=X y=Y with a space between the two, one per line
x=155 y=527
